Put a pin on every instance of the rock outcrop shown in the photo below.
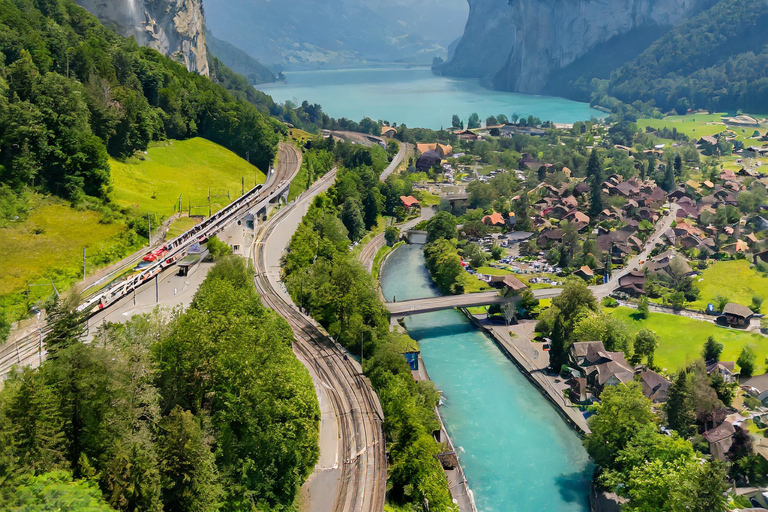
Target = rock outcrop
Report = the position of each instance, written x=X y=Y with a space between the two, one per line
x=173 y=27
x=516 y=45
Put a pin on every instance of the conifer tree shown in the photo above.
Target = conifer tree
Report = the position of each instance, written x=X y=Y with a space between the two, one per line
x=595 y=174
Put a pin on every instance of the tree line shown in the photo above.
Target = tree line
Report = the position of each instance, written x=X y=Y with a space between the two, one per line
x=72 y=91
x=325 y=279
x=203 y=410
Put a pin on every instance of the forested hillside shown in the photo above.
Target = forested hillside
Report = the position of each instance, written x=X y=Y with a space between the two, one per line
x=239 y=61
x=717 y=60
x=201 y=411
x=72 y=91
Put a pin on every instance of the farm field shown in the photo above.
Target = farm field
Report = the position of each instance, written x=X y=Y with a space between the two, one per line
x=732 y=279
x=154 y=182
x=682 y=338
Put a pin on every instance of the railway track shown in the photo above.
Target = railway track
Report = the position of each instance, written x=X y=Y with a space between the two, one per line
x=363 y=469
x=29 y=350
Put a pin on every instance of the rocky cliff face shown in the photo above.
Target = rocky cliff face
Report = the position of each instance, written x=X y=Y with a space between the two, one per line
x=173 y=27
x=516 y=45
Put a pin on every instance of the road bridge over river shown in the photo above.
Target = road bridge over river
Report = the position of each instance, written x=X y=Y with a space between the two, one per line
x=469 y=300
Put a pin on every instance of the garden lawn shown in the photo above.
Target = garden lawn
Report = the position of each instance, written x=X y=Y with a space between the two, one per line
x=733 y=279
x=153 y=182
x=682 y=338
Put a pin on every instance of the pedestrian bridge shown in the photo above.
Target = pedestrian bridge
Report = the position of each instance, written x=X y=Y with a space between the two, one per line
x=418 y=306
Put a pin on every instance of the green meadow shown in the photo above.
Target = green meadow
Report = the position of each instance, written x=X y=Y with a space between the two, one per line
x=154 y=181
x=682 y=338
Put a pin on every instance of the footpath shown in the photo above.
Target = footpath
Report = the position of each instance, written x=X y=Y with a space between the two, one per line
x=533 y=361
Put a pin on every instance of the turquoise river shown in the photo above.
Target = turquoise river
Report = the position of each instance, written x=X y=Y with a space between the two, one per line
x=415 y=97
x=517 y=452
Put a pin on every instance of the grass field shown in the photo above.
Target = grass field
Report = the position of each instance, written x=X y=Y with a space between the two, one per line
x=180 y=226
x=694 y=126
x=732 y=279
x=49 y=246
x=491 y=271
x=473 y=284
x=187 y=168
x=682 y=338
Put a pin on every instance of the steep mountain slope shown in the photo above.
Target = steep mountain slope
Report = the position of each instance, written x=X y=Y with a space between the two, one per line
x=516 y=45
x=239 y=61
x=717 y=60
x=307 y=33
x=173 y=27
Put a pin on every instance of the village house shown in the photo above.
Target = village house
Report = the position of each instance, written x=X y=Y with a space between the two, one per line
x=632 y=283
x=720 y=440
x=549 y=236
x=410 y=202
x=388 y=132
x=508 y=283
x=737 y=315
x=600 y=367
x=655 y=387
x=726 y=369
x=585 y=273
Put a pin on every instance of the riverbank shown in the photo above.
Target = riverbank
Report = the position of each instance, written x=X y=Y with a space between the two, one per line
x=457 y=480
x=533 y=363
x=514 y=446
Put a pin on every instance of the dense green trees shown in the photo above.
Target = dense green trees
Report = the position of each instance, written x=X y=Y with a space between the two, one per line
x=335 y=289
x=715 y=61
x=70 y=89
x=654 y=471
x=205 y=410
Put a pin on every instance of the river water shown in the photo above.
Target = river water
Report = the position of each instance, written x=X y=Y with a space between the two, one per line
x=517 y=452
x=416 y=97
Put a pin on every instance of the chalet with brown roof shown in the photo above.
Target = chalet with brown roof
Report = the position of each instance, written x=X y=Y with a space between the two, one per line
x=619 y=236
x=737 y=315
x=600 y=367
x=720 y=440
x=548 y=237
x=726 y=369
x=608 y=215
x=655 y=387
x=707 y=141
x=388 y=132
x=581 y=219
x=467 y=135
x=585 y=273
x=727 y=175
x=559 y=211
x=632 y=283
x=530 y=162
x=708 y=184
x=581 y=189
x=443 y=150
x=570 y=202
x=508 y=282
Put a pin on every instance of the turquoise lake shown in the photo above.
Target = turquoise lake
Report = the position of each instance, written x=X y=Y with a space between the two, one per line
x=517 y=452
x=415 y=97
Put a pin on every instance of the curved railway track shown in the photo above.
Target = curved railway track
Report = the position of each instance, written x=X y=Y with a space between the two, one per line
x=29 y=350
x=363 y=468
